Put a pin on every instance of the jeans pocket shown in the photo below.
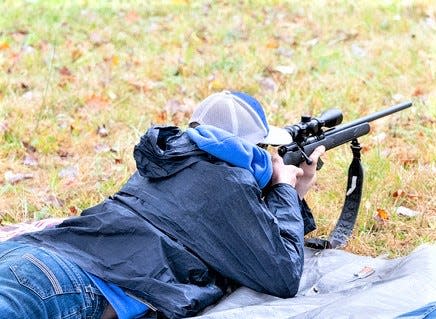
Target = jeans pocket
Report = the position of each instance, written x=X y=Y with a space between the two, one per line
x=42 y=273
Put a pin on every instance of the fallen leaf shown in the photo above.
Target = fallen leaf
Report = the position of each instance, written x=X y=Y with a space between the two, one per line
x=76 y=54
x=381 y=215
x=29 y=147
x=160 y=118
x=408 y=161
x=63 y=153
x=113 y=60
x=96 y=101
x=401 y=193
x=13 y=178
x=272 y=44
x=73 y=211
x=401 y=210
x=418 y=92
x=65 y=71
x=118 y=161
x=4 y=45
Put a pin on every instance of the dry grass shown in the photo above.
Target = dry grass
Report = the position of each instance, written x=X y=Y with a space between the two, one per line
x=68 y=68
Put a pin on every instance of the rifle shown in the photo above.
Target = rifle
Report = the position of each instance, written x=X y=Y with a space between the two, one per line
x=308 y=135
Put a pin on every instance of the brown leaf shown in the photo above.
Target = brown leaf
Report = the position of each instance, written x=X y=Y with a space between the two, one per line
x=118 y=161
x=96 y=101
x=113 y=60
x=63 y=153
x=160 y=118
x=402 y=193
x=4 y=46
x=381 y=215
x=76 y=54
x=73 y=211
x=272 y=44
x=418 y=92
x=29 y=147
x=65 y=71
x=408 y=161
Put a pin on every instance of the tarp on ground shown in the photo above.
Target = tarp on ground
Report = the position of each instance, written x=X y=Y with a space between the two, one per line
x=330 y=289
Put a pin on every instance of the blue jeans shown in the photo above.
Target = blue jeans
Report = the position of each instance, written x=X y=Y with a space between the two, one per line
x=37 y=283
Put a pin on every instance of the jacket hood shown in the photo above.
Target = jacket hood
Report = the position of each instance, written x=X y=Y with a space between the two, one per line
x=164 y=151
x=234 y=150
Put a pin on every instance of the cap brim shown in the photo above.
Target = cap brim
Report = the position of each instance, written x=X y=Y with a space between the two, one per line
x=277 y=136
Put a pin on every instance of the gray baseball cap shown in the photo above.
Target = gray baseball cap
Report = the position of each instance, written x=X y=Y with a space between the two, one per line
x=240 y=114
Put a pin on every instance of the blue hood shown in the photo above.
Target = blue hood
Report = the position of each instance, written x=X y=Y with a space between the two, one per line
x=233 y=150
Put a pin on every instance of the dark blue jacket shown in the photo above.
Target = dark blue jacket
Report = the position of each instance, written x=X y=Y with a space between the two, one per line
x=184 y=226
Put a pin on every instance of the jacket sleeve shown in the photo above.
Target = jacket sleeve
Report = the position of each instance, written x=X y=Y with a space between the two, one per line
x=275 y=200
x=263 y=246
x=283 y=202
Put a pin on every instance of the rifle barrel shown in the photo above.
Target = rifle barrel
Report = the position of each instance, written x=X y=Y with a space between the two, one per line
x=375 y=116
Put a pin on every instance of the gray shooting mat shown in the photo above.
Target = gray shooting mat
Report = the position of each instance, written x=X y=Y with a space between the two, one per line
x=334 y=285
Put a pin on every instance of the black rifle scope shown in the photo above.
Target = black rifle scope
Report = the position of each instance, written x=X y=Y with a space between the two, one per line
x=310 y=126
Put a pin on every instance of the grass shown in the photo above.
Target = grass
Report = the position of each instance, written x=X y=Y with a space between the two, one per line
x=68 y=68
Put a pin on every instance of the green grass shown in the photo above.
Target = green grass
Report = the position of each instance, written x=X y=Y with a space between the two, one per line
x=68 y=67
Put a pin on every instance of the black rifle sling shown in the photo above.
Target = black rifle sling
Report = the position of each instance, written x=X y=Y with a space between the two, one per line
x=345 y=224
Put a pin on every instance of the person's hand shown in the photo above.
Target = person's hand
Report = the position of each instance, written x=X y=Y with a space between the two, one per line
x=307 y=179
x=282 y=173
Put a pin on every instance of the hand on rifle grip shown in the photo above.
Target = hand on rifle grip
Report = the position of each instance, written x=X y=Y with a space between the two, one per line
x=306 y=181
